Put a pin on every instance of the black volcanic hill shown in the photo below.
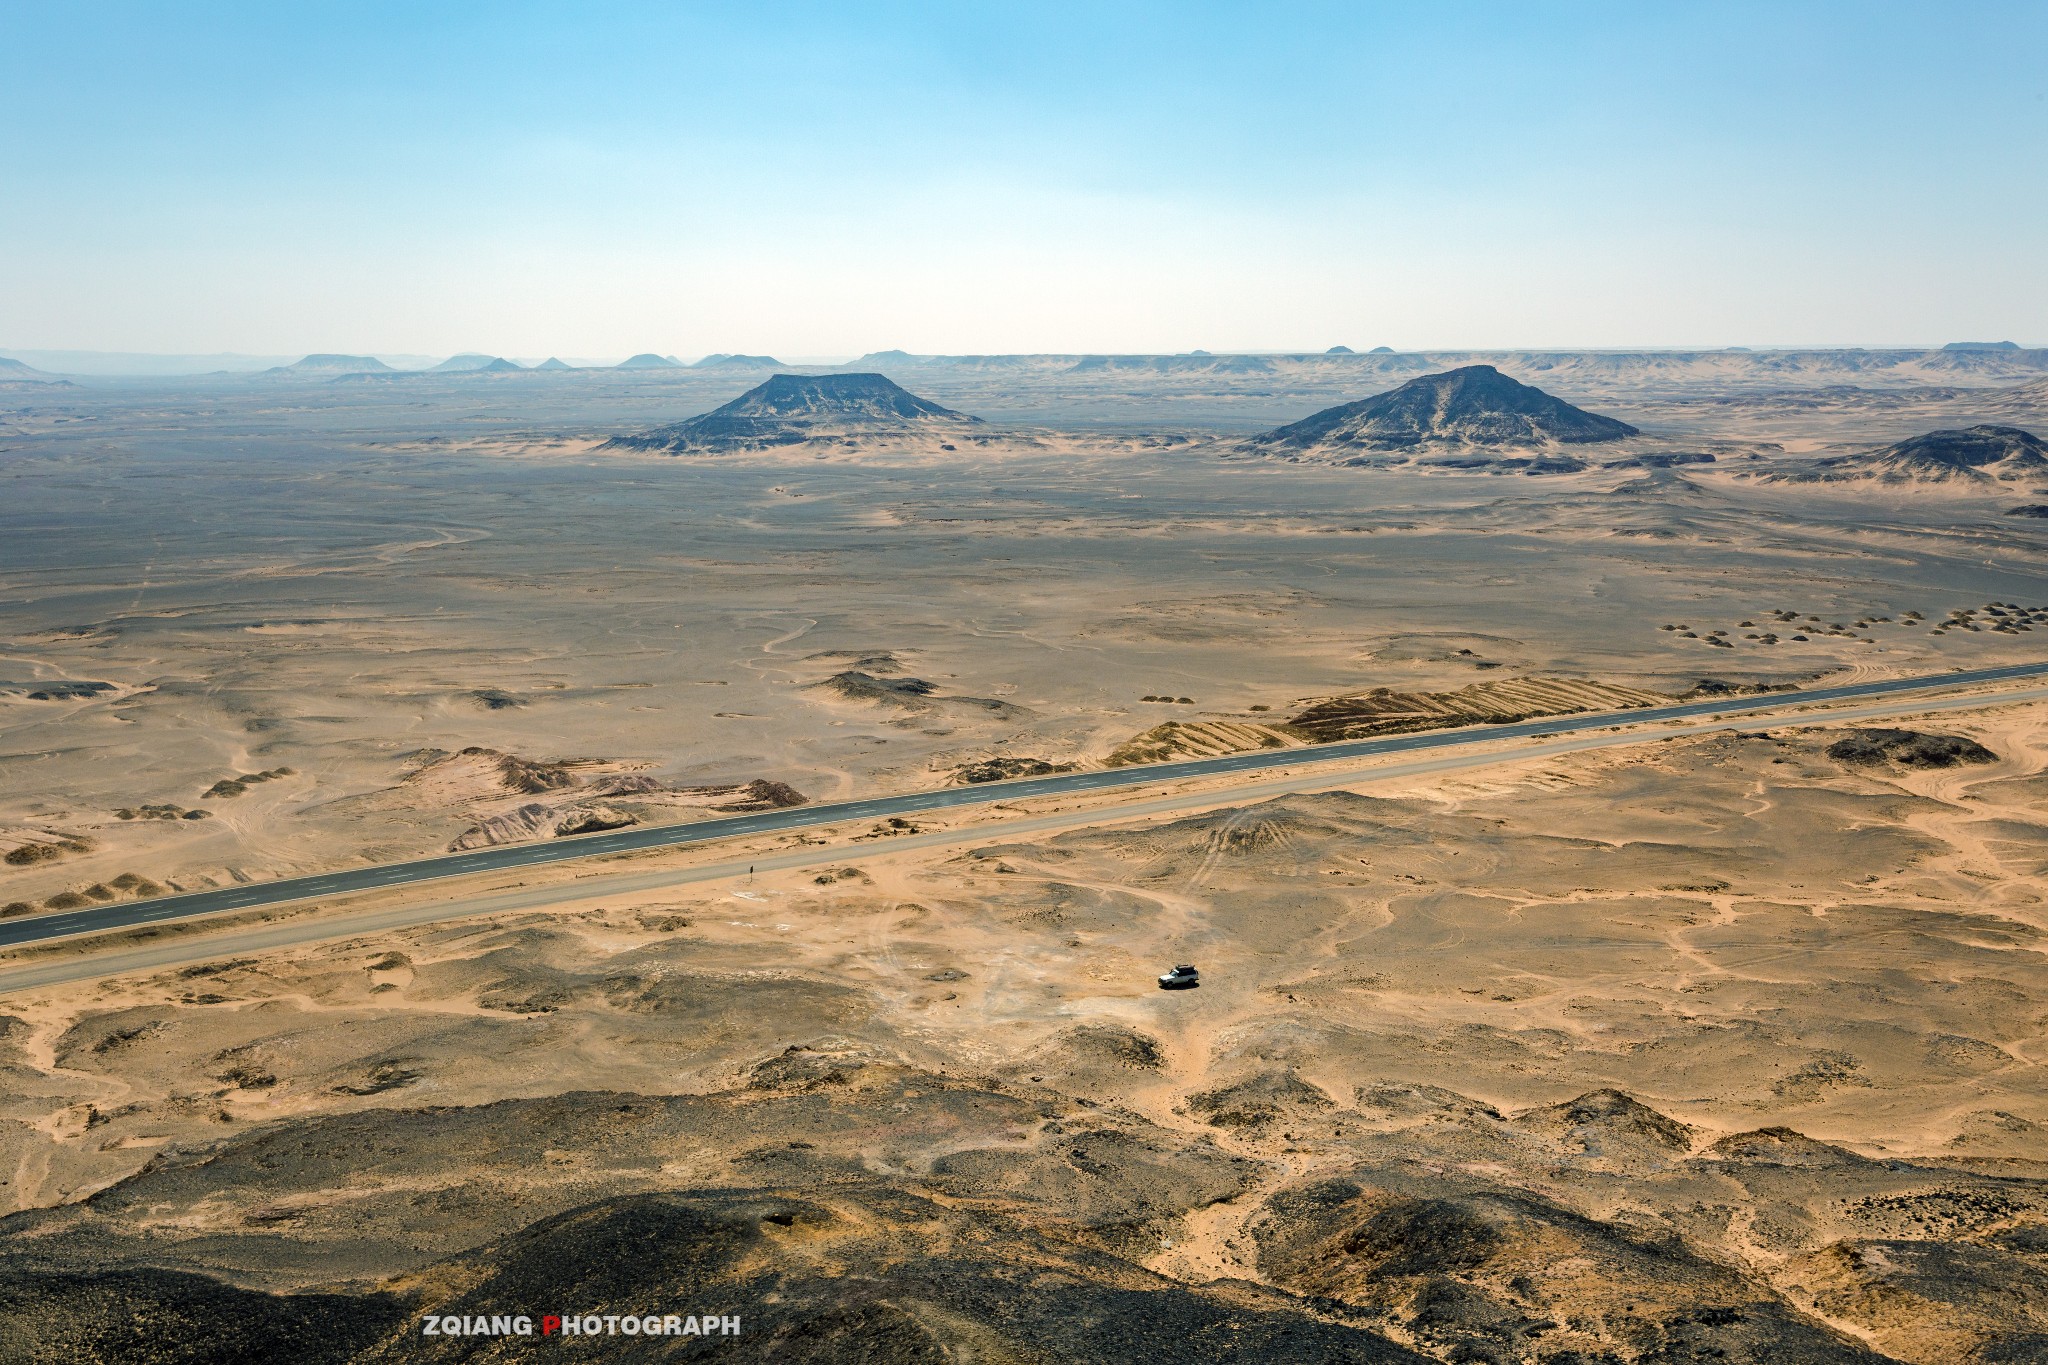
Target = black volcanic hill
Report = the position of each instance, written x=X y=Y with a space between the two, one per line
x=1973 y=454
x=1473 y=406
x=647 y=360
x=793 y=409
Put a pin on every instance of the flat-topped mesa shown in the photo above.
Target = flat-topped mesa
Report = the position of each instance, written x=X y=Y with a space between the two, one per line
x=1475 y=405
x=798 y=409
x=326 y=364
x=723 y=361
x=18 y=372
x=1970 y=455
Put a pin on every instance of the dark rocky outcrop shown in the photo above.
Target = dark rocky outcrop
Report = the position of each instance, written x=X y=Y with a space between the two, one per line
x=1258 y=1102
x=1972 y=454
x=1670 y=461
x=1003 y=769
x=910 y=694
x=1908 y=749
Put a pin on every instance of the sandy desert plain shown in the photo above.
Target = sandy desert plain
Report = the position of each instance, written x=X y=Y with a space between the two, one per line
x=1728 y=1044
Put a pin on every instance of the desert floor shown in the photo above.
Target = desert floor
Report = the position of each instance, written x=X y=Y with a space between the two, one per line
x=1716 y=1043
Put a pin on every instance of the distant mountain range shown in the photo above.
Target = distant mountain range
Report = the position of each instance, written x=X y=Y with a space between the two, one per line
x=363 y=367
x=648 y=360
x=1648 y=372
x=795 y=409
x=1475 y=405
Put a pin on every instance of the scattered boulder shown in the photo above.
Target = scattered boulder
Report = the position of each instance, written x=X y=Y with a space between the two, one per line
x=241 y=782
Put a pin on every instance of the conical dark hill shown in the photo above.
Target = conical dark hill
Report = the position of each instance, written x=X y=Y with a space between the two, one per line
x=794 y=409
x=1473 y=406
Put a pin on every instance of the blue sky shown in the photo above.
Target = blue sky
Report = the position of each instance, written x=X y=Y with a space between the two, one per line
x=811 y=179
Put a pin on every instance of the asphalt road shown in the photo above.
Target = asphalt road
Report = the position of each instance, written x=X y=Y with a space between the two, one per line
x=100 y=918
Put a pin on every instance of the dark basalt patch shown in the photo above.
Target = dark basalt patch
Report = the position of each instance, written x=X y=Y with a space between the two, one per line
x=167 y=1317
x=1259 y=1101
x=1908 y=749
x=1661 y=461
x=71 y=691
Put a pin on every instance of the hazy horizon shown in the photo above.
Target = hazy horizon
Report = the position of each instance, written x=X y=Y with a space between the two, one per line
x=143 y=364
x=1007 y=180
